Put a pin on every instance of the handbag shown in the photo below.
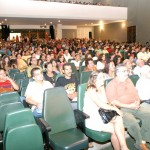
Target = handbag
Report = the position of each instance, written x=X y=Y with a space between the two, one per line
x=107 y=115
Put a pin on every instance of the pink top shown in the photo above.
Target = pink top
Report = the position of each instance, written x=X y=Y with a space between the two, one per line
x=125 y=92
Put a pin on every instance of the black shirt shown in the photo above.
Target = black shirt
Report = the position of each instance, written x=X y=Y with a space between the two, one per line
x=70 y=85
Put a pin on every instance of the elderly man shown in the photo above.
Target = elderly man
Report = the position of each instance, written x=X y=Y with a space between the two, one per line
x=139 y=64
x=122 y=93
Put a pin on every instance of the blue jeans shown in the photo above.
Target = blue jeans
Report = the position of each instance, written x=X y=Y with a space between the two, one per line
x=74 y=105
x=37 y=113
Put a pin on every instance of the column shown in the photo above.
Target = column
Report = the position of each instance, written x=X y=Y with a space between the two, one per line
x=59 y=31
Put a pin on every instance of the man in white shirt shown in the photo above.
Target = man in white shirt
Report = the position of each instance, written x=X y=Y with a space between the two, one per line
x=67 y=55
x=143 y=54
x=76 y=61
x=35 y=90
x=139 y=65
x=143 y=86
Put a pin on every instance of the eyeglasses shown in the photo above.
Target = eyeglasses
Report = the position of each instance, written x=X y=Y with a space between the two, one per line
x=124 y=71
x=2 y=74
x=38 y=74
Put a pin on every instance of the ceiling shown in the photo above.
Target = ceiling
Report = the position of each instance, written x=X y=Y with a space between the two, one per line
x=29 y=12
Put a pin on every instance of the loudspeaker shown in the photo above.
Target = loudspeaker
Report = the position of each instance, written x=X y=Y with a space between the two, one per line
x=51 y=31
x=90 y=35
x=5 y=31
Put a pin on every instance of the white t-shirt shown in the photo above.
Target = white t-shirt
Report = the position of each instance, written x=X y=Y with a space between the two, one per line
x=100 y=65
x=36 y=91
x=76 y=63
x=137 y=71
x=143 y=88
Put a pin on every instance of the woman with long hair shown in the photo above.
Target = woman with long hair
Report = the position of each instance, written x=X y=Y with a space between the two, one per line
x=94 y=99
x=6 y=62
x=109 y=70
x=55 y=66
x=50 y=75
x=101 y=61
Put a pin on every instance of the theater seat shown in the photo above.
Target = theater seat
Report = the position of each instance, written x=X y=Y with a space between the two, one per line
x=8 y=108
x=94 y=135
x=21 y=131
x=85 y=75
x=134 y=78
x=25 y=137
x=11 y=72
x=9 y=97
x=58 y=113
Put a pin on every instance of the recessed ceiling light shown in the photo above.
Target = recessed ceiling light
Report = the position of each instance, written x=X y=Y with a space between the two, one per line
x=58 y=20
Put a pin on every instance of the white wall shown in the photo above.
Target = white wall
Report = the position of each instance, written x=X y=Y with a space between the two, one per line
x=83 y=32
x=138 y=15
x=112 y=31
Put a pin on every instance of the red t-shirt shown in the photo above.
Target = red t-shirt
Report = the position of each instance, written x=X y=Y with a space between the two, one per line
x=6 y=86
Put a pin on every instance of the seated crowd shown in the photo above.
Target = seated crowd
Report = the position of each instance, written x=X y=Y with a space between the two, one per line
x=49 y=64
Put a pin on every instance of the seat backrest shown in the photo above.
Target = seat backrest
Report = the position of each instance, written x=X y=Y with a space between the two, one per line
x=9 y=97
x=57 y=110
x=11 y=72
x=134 y=79
x=80 y=97
x=22 y=92
x=106 y=82
x=7 y=108
x=81 y=68
x=20 y=117
x=26 y=137
x=58 y=75
x=85 y=75
x=69 y=60
x=24 y=82
x=19 y=75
